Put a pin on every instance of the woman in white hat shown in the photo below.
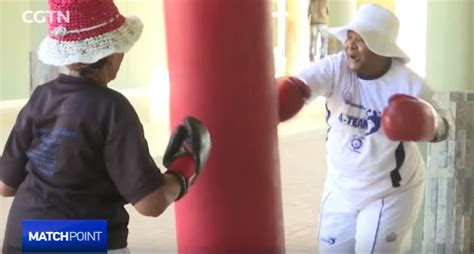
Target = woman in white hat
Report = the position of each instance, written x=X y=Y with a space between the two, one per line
x=377 y=108
x=77 y=150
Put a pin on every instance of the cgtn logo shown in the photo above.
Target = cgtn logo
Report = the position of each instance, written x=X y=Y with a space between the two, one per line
x=64 y=236
x=43 y=16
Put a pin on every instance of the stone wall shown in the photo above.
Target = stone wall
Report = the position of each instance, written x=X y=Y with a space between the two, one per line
x=448 y=213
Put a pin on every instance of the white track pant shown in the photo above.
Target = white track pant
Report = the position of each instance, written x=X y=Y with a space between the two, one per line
x=383 y=226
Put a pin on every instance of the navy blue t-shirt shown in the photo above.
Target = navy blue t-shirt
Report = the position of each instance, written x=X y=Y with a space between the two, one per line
x=77 y=151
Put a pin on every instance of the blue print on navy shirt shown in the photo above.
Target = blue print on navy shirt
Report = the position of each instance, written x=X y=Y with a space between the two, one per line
x=43 y=156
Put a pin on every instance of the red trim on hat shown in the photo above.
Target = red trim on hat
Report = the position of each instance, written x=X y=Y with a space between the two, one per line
x=83 y=14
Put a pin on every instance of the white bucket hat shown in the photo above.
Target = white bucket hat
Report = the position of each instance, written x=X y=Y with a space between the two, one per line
x=93 y=30
x=379 y=29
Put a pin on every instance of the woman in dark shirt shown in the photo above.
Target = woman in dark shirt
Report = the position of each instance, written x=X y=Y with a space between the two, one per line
x=77 y=149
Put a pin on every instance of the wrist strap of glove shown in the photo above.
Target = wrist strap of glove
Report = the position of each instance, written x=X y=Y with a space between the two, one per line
x=183 y=167
x=182 y=181
x=442 y=129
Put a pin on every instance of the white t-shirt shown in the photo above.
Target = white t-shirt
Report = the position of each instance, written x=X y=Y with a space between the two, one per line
x=363 y=164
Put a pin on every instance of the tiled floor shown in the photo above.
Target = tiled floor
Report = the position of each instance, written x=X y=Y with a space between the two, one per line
x=302 y=158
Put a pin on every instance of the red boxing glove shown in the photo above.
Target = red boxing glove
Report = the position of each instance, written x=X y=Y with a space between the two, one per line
x=187 y=152
x=184 y=165
x=407 y=118
x=292 y=93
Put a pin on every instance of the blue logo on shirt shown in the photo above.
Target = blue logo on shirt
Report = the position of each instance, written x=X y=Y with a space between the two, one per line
x=347 y=96
x=43 y=155
x=329 y=240
x=371 y=123
x=374 y=121
x=357 y=143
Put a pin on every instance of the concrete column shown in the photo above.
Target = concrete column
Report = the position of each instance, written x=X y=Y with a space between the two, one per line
x=450 y=49
x=297 y=39
x=341 y=13
x=449 y=66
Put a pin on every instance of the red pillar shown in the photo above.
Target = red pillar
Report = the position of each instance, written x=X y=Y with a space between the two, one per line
x=221 y=71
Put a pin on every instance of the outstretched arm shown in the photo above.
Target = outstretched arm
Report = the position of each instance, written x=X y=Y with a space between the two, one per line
x=311 y=82
x=156 y=202
x=187 y=152
x=292 y=94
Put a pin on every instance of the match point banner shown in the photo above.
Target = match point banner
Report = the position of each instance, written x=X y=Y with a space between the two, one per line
x=64 y=236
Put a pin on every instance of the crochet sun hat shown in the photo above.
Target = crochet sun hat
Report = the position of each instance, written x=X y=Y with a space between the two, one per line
x=378 y=27
x=85 y=31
